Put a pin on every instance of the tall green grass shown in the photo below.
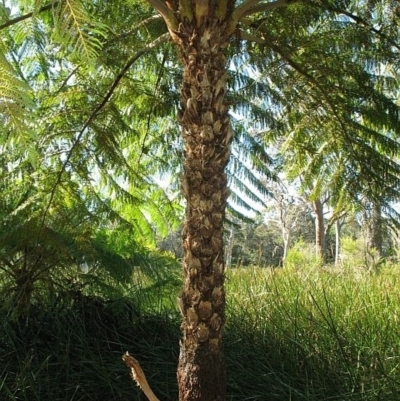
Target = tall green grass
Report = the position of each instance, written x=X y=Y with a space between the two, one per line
x=292 y=334
x=71 y=350
x=316 y=334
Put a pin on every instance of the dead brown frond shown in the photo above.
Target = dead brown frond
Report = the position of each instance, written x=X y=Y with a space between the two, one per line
x=138 y=376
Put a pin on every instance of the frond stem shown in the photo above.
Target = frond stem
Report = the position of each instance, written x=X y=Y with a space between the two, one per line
x=364 y=23
x=156 y=87
x=145 y=22
x=166 y=13
x=251 y=38
x=253 y=6
x=28 y=15
x=67 y=79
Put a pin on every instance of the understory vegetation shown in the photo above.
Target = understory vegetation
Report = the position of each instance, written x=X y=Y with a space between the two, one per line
x=297 y=333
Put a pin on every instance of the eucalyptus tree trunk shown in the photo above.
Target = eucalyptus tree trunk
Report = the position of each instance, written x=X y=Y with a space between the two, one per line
x=319 y=229
x=375 y=228
x=201 y=31
x=229 y=248
x=285 y=237
x=338 y=226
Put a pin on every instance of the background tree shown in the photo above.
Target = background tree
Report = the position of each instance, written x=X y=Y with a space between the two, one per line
x=286 y=210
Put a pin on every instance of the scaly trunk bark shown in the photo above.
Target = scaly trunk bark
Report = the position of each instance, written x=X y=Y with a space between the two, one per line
x=201 y=30
x=207 y=136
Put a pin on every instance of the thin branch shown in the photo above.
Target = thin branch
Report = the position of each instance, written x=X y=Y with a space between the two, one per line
x=243 y=8
x=145 y=22
x=251 y=38
x=150 y=46
x=8 y=263
x=64 y=83
x=335 y=217
x=28 y=15
x=253 y=6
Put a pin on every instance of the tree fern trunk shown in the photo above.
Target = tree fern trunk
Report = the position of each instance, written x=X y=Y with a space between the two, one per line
x=201 y=30
x=207 y=134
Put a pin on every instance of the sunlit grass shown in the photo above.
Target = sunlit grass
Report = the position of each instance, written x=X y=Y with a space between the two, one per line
x=320 y=333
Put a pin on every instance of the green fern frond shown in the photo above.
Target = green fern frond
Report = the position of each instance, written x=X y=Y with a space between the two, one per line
x=14 y=96
x=76 y=30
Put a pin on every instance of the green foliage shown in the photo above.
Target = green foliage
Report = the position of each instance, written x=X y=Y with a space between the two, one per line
x=15 y=95
x=78 y=31
x=301 y=256
x=323 y=90
x=119 y=119
x=355 y=254
x=255 y=244
x=78 y=185
x=46 y=237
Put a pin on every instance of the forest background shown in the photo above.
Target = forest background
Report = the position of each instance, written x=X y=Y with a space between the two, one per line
x=98 y=183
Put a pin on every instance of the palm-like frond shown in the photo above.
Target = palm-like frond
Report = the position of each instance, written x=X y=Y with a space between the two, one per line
x=15 y=96
x=77 y=31
x=325 y=86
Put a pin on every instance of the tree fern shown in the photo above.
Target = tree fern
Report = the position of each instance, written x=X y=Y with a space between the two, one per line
x=15 y=95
